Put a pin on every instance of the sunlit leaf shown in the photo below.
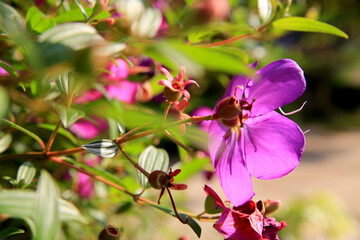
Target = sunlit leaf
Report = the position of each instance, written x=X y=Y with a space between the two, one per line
x=103 y=148
x=5 y=141
x=192 y=223
x=81 y=9
x=307 y=25
x=47 y=217
x=189 y=169
x=37 y=21
x=75 y=15
x=68 y=116
x=31 y=134
x=26 y=173
x=67 y=84
x=152 y=159
x=4 y=99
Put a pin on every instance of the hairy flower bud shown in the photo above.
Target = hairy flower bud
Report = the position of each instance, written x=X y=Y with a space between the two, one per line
x=158 y=179
x=171 y=95
x=228 y=108
x=109 y=233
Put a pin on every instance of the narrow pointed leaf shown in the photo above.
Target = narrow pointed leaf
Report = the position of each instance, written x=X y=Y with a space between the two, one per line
x=152 y=159
x=4 y=99
x=9 y=69
x=103 y=148
x=8 y=232
x=26 y=173
x=31 y=134
x=47 y=217
x=99 y=172
x=307 y=25
x=81 y=9
x=192 y=223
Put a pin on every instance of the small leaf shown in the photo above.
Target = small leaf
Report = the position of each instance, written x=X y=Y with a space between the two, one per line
x=36 y=20
x=31 y=134
x=66 y=83
x=192 y=223
x=152 y=159
x=68 y=211
x=121 y=128
x=26 y=173
x=68 y=116
x=8 y=232
x=103 y=148
x=47 y=217
x=5 y=141
x=9 y=69
x=210 y=205
x=307 y=25
x=10 y=180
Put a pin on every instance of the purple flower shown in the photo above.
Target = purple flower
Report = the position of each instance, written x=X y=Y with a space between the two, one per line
x=248 y=137
x=89 y=130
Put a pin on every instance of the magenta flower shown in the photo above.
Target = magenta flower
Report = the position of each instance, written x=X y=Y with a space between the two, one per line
x=88 y=130
x=240 y=223
x=175 y=87
x=248 y=137
x=84 y=183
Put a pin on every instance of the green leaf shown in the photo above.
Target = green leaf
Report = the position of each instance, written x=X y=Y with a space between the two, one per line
x=8 y=68
x=81 y=9
x=20 y=203
x=191 y=168
x=11 y=21
x=8 y=232
x=192 y=223
x=210 y=206
x=36 y=20
x=5 y=141
x=61 y=131
x=68 y=116
x=103 y=148
x=307 y=25
x=99 y=172
x=25 y=174
x=31 y=134
x=75 y=15
x=66 y=83
x=152 y=159
x=47 y=217
x=4 y=99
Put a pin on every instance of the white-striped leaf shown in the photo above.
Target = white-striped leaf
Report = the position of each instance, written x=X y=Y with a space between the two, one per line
x=5 y=141
x=25 y=174
x=152 y=159
x=103 y=148
x=46 y=217
x=67 y=84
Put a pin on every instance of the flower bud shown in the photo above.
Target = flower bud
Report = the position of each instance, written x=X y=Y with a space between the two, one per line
x=271 y=206
x=109 y=233
x=158 y=179
x=228 y=109
x=171 y=95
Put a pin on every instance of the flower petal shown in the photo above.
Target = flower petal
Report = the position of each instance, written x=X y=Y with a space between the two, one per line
x=237 y=226
x=229 y=164
x=209 y=191
x=275 y=85
x=125 y=91
x=273 y=145
x=236 y=81
x=166 y=72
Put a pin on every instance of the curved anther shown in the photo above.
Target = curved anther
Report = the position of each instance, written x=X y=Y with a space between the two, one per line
x=295 y=111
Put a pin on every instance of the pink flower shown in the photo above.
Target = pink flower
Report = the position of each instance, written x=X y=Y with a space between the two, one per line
x=248 y=137
x=118 y=71
x=84 y=183
x=245 y=222
x=88 y=130
x=175 y=87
